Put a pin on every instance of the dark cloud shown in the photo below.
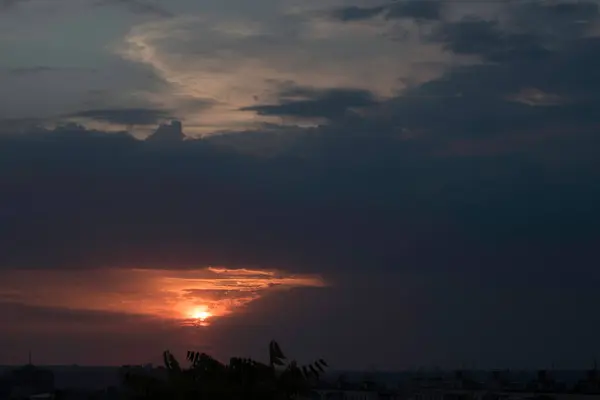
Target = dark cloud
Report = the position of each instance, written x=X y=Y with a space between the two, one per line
x=142 y=7
x=125 y=116
x=16 y=125
x=8 y=4
x=311 y=103
x=16 y=315
x=557 y=21
x=59 y=336
x=448 y=192
x=168 y=133
x=441 y=175
x=533 y=31
x=485 y=38
x=23 y=71
x=482 y=101
x=420 y=10
x=30 y=70
x=488 y=91
x=422 y=322
x=112 y=200
x=354 y=13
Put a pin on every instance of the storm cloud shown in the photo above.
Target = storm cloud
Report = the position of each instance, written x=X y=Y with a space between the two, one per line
x=406 y=179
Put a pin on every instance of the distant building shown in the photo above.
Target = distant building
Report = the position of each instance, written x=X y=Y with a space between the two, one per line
x=366 y=390
x=501 y=387
x=343 y=394
x=27 y=382
x=589 y=384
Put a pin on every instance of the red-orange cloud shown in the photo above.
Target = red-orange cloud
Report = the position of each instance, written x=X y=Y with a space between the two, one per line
x=179 y=296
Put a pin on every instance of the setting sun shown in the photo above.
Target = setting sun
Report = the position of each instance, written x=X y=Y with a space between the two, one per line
x=181 y=297
x=201 y=315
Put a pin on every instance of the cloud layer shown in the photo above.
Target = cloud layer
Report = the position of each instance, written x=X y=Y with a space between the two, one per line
x=413 y=156
x=172 y=296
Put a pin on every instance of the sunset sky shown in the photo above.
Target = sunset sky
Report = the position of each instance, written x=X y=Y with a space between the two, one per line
x=385 y=184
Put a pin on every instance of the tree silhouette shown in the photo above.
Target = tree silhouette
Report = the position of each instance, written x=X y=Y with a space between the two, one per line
x=241 y=378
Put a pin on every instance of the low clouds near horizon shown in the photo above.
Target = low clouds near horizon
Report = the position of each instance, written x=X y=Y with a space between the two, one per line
x=422 y=178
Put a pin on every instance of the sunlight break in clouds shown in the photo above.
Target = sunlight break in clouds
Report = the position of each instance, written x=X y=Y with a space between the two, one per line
x=235 y=63
x=186 y=297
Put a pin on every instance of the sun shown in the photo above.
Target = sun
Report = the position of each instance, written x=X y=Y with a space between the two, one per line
x=201 y=315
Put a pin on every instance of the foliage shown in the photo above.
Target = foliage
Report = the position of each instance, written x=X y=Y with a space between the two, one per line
x=241 y=378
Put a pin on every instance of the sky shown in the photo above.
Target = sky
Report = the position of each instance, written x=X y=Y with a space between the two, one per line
x=385 y=184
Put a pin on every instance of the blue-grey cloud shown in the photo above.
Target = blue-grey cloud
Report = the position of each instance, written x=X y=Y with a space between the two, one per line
x=140 y=7
x=482 y=183
x=355 y=13
x=407 y=237
x=391 y=200
x=168 y=133
x=420 y=10
x=126 y=116
x=143 y=7
x=485 y=38
x=39 y=69
x=8 y=4
x=458 y=153
x=557 y=21
x=30 y=70
x=310 y=103
x=533 y=30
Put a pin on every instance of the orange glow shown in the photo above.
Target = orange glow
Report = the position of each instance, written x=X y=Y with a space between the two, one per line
x=185 y=297
x=198 y=317
x=201 y=315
